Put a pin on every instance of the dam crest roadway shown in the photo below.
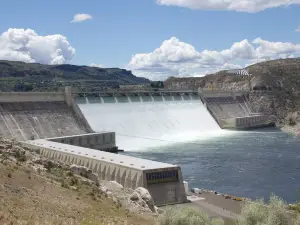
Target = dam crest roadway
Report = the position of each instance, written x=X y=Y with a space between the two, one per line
x=120 y=93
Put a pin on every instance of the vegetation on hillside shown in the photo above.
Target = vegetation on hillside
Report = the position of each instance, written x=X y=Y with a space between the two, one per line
x=187 y=216
x=276 y=212
x=20 y=76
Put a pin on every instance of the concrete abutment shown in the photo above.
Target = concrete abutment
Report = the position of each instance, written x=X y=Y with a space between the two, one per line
x=231 y=110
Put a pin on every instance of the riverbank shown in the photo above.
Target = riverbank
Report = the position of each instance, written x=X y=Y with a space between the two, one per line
x=294 y=130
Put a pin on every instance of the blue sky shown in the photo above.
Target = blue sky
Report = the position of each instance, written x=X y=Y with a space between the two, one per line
x=118 y=30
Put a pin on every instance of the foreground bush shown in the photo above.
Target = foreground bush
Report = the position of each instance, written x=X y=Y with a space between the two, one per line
x=186 y=216
x=257 y=213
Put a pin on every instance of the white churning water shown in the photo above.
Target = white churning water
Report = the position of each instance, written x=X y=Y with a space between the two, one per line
x=144 y=122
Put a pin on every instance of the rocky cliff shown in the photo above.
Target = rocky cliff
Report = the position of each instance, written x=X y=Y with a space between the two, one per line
x=274 y=88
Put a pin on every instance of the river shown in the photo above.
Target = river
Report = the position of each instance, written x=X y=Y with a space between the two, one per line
x=180 y=131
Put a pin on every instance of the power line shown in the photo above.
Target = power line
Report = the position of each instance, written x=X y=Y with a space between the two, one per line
x=152 y=139
x=162 y=140
x=133 y=136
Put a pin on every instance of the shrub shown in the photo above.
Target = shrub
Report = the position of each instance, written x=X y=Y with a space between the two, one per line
x=64 y=184
x=292 y=121
x=20 y=156
x=297 y=220
x=257 y=213
x=49 y=165
x=74 y=181
x=187 y=216
x=295 y=207
x=70 y=174
x=37 y=151
x=277 y=212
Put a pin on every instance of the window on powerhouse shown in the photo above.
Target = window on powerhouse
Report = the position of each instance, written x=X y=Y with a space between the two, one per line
x=162 y=175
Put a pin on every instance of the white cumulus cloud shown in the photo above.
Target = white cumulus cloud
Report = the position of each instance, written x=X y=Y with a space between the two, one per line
x=297 y=29
x=177 y=58
x=28 y=46
x=80 y=17
x=271 y=49
x=96 y=65
x=250 y=6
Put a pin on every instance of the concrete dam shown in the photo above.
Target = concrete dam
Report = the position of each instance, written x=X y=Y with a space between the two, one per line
x=59 y=128
x=54 y=124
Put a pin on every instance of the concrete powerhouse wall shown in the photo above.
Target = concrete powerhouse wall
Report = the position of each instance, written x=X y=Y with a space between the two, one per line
x=99 y=141
x=168 y=192
x=252 y=121
x=128 y=171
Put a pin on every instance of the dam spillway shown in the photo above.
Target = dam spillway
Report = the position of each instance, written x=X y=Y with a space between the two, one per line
x=147 y=121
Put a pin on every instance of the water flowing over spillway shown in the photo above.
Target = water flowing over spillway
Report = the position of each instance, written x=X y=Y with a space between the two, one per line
x=180 y=131
x=145 y=122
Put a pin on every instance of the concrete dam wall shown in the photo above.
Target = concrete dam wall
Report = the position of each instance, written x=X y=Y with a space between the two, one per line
x=100 y=141
x=26 y=120
x=25 y=116
x=231 y=110
x=228 y=107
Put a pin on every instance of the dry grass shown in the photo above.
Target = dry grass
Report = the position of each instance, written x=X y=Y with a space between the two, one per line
x=29 y=198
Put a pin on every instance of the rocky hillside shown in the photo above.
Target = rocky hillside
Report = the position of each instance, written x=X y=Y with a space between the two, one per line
x=274 y=87
x=275 y=75
x=36 y=190
x=19 y=76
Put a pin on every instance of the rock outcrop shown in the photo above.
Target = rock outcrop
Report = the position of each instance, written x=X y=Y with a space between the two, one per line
x=137 y=201
x=274 y=88
x=85 y=172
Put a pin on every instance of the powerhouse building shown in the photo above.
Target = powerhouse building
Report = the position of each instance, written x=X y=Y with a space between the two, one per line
x=164 y=181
